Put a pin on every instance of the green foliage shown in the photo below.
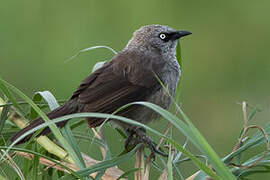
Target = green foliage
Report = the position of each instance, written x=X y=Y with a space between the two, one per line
x=223 y=167
x=184 y=126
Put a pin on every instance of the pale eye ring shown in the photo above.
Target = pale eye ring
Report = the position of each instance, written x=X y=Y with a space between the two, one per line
x=162 y=36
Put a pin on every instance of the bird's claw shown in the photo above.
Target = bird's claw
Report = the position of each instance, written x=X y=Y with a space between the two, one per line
x=140 y=137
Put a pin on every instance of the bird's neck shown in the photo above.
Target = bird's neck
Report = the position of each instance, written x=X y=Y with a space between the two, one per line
x=168 y=54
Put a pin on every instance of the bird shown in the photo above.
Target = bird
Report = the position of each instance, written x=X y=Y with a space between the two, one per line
x=132 y=75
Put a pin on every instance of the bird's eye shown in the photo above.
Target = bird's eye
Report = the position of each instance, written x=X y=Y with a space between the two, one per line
x=162 y=36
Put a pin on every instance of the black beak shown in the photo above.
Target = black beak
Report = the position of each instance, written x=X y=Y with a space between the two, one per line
x=178 y=34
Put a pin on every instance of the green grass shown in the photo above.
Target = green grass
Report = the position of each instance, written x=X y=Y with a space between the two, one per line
x=219 y=169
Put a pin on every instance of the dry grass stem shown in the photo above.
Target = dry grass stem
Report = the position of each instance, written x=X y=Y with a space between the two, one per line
x=10 y=161
x=244 y=132
x=244 y=109
x=165 y=134
x=139 y=163
x=99 y=134
x=44 y=141
x=240 y=141
x=110 y=174
x=193 y=176
x=164 y=175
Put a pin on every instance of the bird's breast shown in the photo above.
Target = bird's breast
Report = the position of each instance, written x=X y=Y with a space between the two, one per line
x=169 y=77
x=156 y=95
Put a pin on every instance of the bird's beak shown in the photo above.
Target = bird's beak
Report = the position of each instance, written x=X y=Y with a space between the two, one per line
x=178 y=34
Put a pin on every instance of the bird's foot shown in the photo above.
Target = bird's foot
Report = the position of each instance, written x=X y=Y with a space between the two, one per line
x=138 y=136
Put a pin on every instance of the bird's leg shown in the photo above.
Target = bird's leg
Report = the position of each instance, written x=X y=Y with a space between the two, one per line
x=138 y=135
x=130 y=141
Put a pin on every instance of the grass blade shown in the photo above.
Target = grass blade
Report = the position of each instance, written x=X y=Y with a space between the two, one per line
x=127 y=173
x=72 y=141
x=179 y=53
x=89 y=49
x=49 y=98
x=52 y=127
x=194 y=136
x=10 y=97
x=35 y=164
x=75 y=174
x=108 y=163
x=169 y=163
x=196 y=161
x=3 y=117
x=254 y=141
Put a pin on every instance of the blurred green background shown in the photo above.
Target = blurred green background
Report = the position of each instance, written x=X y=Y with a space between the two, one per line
x=226 y=59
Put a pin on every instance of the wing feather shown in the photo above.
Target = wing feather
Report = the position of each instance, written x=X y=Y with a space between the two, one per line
x=127 y=78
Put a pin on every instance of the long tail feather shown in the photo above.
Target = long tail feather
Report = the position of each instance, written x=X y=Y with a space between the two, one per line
x=66 y=109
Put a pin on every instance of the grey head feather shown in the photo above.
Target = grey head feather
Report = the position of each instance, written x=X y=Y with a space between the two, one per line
x=147 y=38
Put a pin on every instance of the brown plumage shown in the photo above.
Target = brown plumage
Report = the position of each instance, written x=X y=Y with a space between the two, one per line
x=130 y=76
x=115 y=84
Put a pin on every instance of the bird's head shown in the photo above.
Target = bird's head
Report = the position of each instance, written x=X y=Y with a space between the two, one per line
x=158 y=38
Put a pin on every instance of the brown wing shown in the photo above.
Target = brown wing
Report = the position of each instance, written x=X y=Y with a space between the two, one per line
x=128 y=77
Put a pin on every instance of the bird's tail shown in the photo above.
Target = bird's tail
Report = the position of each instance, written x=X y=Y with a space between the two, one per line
x=67 y=108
